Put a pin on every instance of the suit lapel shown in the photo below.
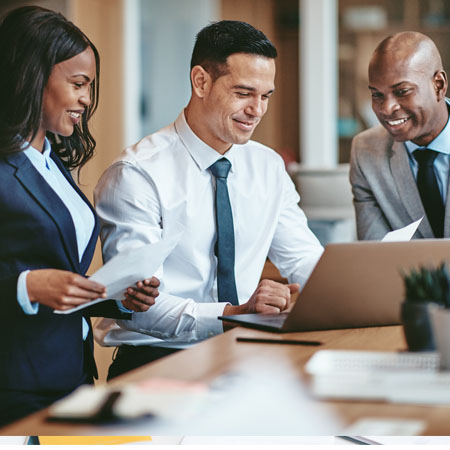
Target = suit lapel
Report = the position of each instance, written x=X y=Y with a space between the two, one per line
x=407 y=188
x=89 y=252
x=44 y=195
x=447 y=211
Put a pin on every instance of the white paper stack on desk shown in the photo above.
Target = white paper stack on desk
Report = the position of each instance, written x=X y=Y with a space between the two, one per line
x=379 y=376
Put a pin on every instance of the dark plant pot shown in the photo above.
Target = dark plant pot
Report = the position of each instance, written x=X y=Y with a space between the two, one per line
x=417 y=327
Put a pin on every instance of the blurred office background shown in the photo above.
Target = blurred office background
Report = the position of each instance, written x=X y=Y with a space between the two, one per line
x=321 y=98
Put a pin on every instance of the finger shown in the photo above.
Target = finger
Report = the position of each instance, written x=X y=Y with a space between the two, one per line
x=146 y=290
x=135 y=305
x=267 y=309
x=287 y=305
x=293 y=288
x=136 y=295
x=148 y=282
x=69 y=302
x=279 y=291
x=273 y=287
x=271 y=300
x=272 y=284
x=153 y=281
x=129 y=305
x=82 y=294
x=90 y=285
x=61 y=307
x=148 y=302
x=287 y=296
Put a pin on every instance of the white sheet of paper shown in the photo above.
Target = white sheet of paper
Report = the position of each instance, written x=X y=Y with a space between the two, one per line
x=402 y=234
x=129 y=267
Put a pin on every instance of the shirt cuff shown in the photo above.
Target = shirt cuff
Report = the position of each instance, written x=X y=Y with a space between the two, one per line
x=85 y=328
x=22 y=295
x=208 y=324
x=122 y=308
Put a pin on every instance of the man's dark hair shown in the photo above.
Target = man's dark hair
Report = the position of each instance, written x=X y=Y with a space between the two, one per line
x=216 y=42
x=32 y=41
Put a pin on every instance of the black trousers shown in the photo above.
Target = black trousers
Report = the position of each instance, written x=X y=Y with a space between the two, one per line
x=131 y=357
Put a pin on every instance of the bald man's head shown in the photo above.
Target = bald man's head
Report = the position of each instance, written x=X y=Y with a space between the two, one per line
x=408 y=86
x=406 y=46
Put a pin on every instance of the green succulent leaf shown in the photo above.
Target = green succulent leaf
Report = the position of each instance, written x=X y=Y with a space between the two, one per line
x=427 y=284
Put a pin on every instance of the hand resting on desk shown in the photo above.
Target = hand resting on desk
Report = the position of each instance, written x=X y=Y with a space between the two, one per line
x=270 y=297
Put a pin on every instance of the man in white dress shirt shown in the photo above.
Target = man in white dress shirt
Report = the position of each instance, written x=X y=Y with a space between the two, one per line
x=167 y=178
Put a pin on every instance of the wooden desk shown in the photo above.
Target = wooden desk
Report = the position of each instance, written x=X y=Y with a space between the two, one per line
x=215 y=356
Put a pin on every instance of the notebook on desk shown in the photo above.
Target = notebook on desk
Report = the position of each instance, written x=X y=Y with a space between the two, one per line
x=353 y=285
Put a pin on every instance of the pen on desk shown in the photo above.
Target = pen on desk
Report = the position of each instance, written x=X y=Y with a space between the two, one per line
x=277 y=341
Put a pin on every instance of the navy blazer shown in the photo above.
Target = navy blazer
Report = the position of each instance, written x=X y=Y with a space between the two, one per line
x=43 y=352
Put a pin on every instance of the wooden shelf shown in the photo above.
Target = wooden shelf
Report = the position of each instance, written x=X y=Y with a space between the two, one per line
x=358 y=45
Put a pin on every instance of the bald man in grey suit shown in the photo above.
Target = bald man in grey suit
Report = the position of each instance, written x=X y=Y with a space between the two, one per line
x=408 y=87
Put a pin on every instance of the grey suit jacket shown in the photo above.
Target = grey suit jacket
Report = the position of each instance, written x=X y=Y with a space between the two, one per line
x=385 y=193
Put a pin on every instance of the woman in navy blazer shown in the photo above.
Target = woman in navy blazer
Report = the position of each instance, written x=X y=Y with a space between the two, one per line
x=49 y=79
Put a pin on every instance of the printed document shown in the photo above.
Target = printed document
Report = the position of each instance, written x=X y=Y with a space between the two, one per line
x=129 y=267
x=402 y=234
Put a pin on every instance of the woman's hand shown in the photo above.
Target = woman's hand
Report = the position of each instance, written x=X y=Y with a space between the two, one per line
x=60 y=289
x=139 y=298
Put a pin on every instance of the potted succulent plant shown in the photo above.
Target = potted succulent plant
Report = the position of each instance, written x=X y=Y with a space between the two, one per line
x=423 y=286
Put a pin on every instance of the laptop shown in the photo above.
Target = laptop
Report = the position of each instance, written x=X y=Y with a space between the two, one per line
x=353 y=285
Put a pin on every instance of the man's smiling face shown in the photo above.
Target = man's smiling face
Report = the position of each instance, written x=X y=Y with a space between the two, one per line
x=238 y=100
x=405 y=97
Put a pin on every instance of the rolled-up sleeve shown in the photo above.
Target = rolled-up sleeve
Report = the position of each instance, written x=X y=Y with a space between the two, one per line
x=177 y=319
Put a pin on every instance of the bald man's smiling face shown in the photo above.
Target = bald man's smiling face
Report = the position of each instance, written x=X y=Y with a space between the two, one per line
x=408 y=97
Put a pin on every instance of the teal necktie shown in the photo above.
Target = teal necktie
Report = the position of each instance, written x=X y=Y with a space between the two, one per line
x=226 y=284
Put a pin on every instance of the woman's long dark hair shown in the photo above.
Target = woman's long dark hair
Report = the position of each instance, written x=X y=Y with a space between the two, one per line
x=32 y=41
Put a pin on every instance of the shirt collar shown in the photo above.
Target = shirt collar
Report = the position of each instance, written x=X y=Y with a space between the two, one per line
x=37 y=158
x=441 y=143
x=203 y=155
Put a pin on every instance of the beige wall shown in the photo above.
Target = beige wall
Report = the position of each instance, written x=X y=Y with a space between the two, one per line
x=102 y=21
x=260 y=14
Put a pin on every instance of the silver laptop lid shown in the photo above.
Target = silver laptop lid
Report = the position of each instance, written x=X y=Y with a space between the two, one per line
x=359 y=284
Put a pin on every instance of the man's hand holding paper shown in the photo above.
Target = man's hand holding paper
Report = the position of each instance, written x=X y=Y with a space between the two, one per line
x=139 y=298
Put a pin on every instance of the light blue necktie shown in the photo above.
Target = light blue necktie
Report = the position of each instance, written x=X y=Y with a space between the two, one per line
x=226 y=284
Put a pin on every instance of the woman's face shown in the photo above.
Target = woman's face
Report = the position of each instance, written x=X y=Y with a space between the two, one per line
x=66 y=96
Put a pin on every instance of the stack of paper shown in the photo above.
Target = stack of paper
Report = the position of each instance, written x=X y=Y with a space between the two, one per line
x=382 y=376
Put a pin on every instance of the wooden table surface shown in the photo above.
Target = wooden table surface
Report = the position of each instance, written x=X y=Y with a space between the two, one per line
x=210 y=359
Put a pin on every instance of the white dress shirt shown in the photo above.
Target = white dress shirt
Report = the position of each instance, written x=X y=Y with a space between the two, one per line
x=167 y=171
